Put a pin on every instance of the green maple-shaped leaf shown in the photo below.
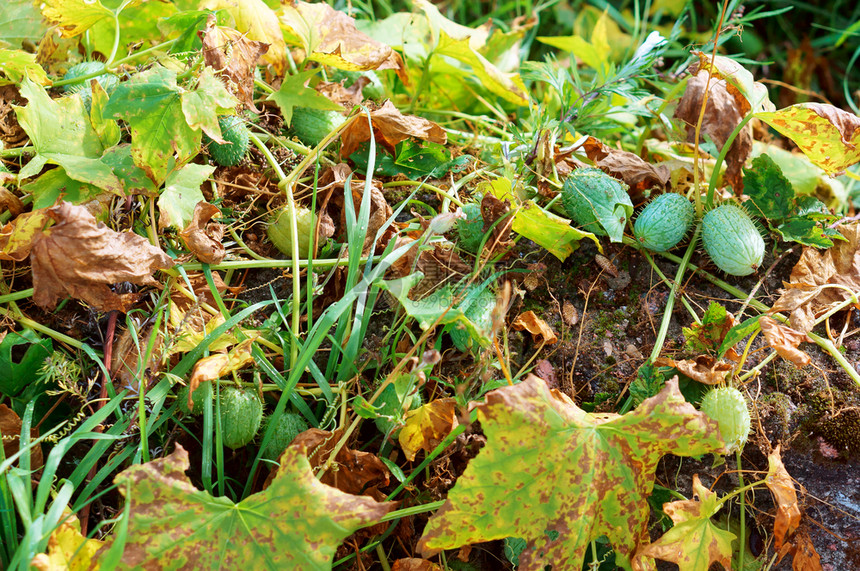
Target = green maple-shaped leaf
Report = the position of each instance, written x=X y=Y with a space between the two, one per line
x=62 y=133
x=203 y=105
x=293 y=93
x=296 y=523
x=549 y=466
x=694 y=543
x=152 y=104
x=181 y=194
x=770 y=192
x=15 y=65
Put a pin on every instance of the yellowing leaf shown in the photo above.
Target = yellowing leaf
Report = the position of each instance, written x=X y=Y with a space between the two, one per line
x=427 y=426
x=829 y=136
x=550 y=466
x=220 y=365
x=540 y=329
x=509 y=86
x=330 y=37
x=15 y=65
x=62 y=553
x=595 y=53
x=296 y=523
x=258 y=22
x=74 y=17
x=17 y=237
x=694 y=543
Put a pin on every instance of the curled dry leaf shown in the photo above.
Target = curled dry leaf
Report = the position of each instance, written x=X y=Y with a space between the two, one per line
x=330 y=37
x=540 y=330
x=440 y=265
x=127 y=363
x=810 y=291
x=781 y=486
x=79 y=256
x=202 y=238
x=10 y=426
x=636 y=173
x=704 y=369
x=233 y=57
x=492 y=209
x=415 y=564
x=725 y=109
x=784 y=340
x=427 y=426
x=806 y=558
x=390 y=127
x=355 y=472
x=219 y=365
x=256 y=21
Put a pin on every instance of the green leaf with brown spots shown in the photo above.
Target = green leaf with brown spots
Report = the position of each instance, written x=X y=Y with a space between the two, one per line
x=694 y=543
x=296 y=523
x=549 y=466
x=152 y=104
x=829 y=136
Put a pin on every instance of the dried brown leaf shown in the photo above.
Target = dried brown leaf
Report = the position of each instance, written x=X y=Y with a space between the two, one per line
x=492 y=209
x=390 y=127
x=784 y=340
x=348 y=97
x=810 y=291
x=540 y=330
x=415 y=564
x=79 y=256
x=354 y=471
x=805 y=556
x=203 y=238
x=781 y=486
x=127 y=363
x=724 y=111
x=10 y=426
x=636 y=173
x=233 y=57
x=704 y=369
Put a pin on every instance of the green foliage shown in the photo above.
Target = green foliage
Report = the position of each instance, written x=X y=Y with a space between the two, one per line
x=706 y=338
x=293 y=93
x=392 y=404
x=415 y=160
x=597 y=202
x=797 y=219
x=235 y=145
x=732 y=241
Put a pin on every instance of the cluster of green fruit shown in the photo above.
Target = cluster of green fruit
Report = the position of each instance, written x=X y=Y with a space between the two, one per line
x=729 y=235
x=241 y=412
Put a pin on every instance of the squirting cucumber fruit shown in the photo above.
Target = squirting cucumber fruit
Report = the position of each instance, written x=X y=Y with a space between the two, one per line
x=471 y=228
x=728 y=407
x=311 y=126
x=664 y=222
x=289 y=426
x=241 y=413
x=236 y=135
x=732 y=240
x=597 y=202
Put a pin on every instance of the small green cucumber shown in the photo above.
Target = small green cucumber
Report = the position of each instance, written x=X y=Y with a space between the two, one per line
x=480 y=312
x=107 y=80
x=279 y=233
x=288 y=427
x=241 y=413
x=313 y=125
x=597 y=202
x=471 y=228
x=236 y=135
x=198 y=399
x=732 y=240
x=728 y=407
x=664 y=222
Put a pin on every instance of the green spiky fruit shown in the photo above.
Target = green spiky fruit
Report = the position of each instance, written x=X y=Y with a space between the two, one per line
x=471 y=228
x=313 y=125
x=664 y=222
x=392 y=409
x=198 y=400
x=279 y=233
x=106 y=80
x=289 y=426
x=236 y=135
x=479 y=311
x=728 y=407
x=241 y=413
x=732 y=240
x=588 y=192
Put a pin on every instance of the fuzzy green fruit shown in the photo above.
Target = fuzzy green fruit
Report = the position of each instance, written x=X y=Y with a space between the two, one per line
x=471 y=228
x=279 y=233
x=728 y=407
x=289 y=426
x=313 y=125
x=241 y=413
x=391 y=409
x=732 y=240
x=664 y=222
x=589 y=192
x=198 y=400
x=236 y=135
